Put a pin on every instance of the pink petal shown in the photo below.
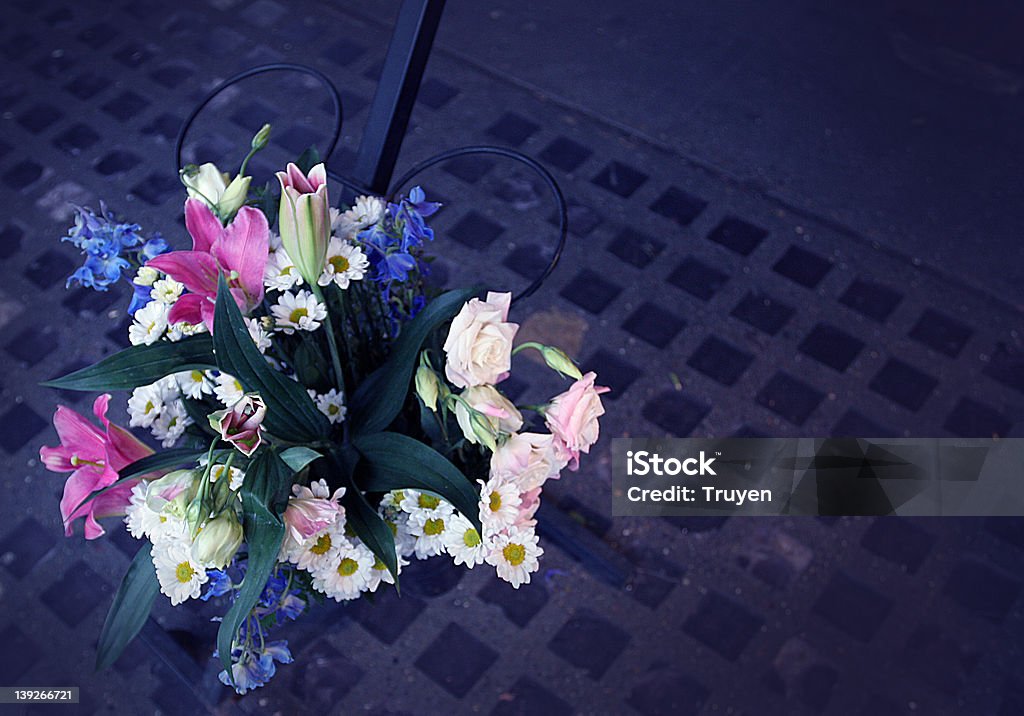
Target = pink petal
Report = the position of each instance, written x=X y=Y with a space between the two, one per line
x=202 y=224
x=318 y=176
x=187 y=309
x=244 y=248
x=76 y=489
x=114 y=501
x=298 y=180
x=77 y=434
x=56 y=459
x=125 y=448
x=196 y=269
x=99 y=409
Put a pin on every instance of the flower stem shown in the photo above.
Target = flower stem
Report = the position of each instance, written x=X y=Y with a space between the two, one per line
x=331 y=340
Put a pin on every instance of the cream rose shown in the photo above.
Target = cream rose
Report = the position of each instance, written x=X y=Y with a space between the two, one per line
x=527 y=458
x=573 y=416
x=479 y=344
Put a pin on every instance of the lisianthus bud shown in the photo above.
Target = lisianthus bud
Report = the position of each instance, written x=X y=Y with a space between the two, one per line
x=233 y=198
x=476 y=427
x=559 y=361
x=260 y=139
x=304 y=219
x=428 y=387
x=242 y=423
x=167 y=488
x=218 y=540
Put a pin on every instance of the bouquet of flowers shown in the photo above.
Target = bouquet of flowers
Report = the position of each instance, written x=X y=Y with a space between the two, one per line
x=324 y=415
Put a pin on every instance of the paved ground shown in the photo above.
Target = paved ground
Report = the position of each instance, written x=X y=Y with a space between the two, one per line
x=733 y=269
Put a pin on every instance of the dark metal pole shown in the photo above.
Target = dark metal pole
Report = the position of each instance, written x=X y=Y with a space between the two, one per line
x=393 y=102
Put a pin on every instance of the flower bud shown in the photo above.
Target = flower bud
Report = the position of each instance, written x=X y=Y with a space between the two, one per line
x=146 y=276
x=205 y=183
x=304 y=219
x=559 y=361
x=218 y=541
x=242 y=423
x=476 y=427
x=260 y=139
x=428 y=387
x=233 y=198
x=180 y=483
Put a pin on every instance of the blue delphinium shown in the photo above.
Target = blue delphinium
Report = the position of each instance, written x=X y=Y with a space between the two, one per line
x=111 y=248
x=392 y=240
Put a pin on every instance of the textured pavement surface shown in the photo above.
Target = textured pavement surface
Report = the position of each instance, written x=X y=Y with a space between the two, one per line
x=712 y=304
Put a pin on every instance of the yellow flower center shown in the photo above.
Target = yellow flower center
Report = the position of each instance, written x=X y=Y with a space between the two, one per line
x=428 y=502
x=184 y=572
x=340 y=264
x=378 y=565
x=332 y=409
x=433 y=527
x=323 y=543
x=514 y=554
x=348 y=567
x=297 y=315
x=197 y=376
x=471 y=538
x=149 y=407
x=495 y=501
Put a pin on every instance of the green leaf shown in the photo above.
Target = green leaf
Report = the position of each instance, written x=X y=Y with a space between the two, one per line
x=397 y=462
x=291 y=413
x=360 y=515
x=310 y=365
x=264 y=498
x=380 y=397
x=140 y=365
x=151 y=463
x=308 y=159
x=131 y=607
x=298 y=457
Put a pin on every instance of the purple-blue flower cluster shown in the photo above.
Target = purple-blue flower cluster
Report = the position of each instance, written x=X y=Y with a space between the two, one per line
x=392 y=240
x=254 y=658
x=110 y=248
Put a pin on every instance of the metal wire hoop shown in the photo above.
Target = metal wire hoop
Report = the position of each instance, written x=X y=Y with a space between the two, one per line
x=537 y=167
x=332 y=91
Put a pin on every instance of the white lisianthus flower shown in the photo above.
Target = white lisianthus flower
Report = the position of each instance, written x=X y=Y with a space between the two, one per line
x=430 y=528
x=499 y=504
x=331 y=404
x=366 y=212
x=171 y=424
x=463 y=542
x=299 y=311
x=515 y=555
x=180 y=576
x=149 y=324
x=166 y=291
x=346 y=574
x=345 y=263
x=193 y=383
x=280 y=273
x=478 y=348
x=228 y=390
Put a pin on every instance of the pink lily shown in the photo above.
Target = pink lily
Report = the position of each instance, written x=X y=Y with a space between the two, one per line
x=94 y=457
x=242 y=423
x=239 y=250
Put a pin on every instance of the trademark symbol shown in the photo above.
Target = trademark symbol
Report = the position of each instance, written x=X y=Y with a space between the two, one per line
x=718 y=453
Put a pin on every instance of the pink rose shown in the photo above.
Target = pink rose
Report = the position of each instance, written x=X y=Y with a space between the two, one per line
x=479 y=343
x=527 y=458
x=93 y=456
x=572 y=419
x=242 y=423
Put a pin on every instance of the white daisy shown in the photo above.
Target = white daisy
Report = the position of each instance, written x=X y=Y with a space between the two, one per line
x=394 y=499
x=429 y=527
x=145 y=405
x=149 y=324
x=141 y=519
x=463 y=542
x=345 y=263
x=172 y=423
x=515 y=554
x=315 y=552
x=499 y=504
x=146 y=276
x=347 y=574
x=180 y=577
x=298 y=311
x=235 y=479
x=280 y=273
x=380 y=574
x=331 y=404
x=166 y=291
x=405 y=542
x=366 y=212
x=193 y=383
x=228 y=390
x=259 y=334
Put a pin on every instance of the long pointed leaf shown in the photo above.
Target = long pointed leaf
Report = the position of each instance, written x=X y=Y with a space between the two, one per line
x=131 y=607
x=360 y=515
x=380 y=397
x=140 y=365
x=396 y=462
x=291 y=413
x=264 y=498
